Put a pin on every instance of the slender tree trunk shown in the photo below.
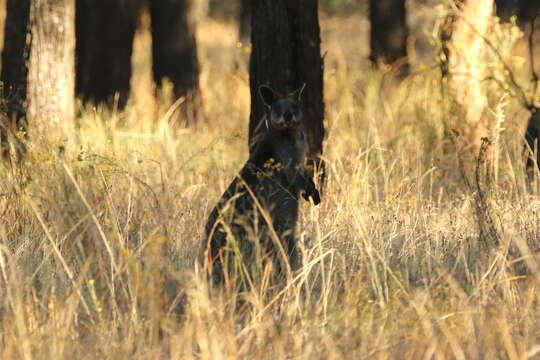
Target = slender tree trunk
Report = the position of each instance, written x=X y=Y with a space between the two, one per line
x=38 y=67
x=532 y=136
x=105 y=31
x=389 y=32
x=14 y=75
x=174 y=50
x=286 y=54
x=245 y=19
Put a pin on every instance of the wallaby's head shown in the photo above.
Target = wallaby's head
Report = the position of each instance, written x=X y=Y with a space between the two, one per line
x=285 y=111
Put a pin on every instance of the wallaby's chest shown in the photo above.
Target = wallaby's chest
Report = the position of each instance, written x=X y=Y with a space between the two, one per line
x=289 y=149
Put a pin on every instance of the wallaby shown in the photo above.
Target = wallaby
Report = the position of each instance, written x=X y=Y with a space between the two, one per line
x=264 y=193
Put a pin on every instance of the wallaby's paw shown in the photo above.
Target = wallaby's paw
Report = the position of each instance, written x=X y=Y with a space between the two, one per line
x=316 y=197
x=313 y=194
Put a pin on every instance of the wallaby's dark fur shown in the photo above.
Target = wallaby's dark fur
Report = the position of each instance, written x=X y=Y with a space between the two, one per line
x=269 y=182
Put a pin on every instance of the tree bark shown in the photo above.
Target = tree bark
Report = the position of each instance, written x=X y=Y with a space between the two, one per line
x=51 y=85
x=174 y=50
x=15 y=57
x=524 y=10
x=244 y=19
x=285 y=54
x=389 y=32
x=507 y=8
x=532 y=136
x=464 y=51
x=105 y=31
x=528 y=10
x=38 y=67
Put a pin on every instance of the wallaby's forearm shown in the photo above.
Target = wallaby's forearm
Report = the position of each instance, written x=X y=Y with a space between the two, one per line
x=297 y=175
x=310 y=190
x=302 y=181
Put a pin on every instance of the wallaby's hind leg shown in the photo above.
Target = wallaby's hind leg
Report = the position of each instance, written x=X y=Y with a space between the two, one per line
x=295 y=260
x=290 y=246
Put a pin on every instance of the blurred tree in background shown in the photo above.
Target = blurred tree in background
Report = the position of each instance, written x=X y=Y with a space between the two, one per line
x=389 y=32
x=523 y=10
x=174 y=50
x=245 y=19
x=38 y=67
x=14 y=75
x=105 y=31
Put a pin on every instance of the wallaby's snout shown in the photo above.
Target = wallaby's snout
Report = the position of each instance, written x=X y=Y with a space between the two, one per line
x=287 y=116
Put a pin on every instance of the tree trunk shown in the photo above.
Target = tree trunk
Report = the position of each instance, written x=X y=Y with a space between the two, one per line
x=38 y=66
x=245 y=19
x=464 y=50
x=14 y=75
x=174 y=50
x=507 y=8
x=524 y=10
x=389 y=32
x=532 y=136
x=105 y=31
x=51 y=77
x=286 y=54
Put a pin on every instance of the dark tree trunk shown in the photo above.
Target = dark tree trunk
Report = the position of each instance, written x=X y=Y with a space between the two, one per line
x=285 y=54
x=525 y=10
x=507 y=8
x=174 y=49
x=38 y=66
x=528 y=10
x=532 y=136
x=245 y=19
x=105 y=31
x=14 y=75
x=389 y=32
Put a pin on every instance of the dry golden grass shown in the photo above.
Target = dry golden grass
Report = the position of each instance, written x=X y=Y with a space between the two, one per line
x=98 y=245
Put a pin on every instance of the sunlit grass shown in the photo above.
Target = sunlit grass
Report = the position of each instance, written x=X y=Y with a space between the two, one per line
x=98 y=245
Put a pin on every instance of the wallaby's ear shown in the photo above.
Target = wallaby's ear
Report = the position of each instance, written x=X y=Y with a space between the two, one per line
x=298 y=92
x=268 y=95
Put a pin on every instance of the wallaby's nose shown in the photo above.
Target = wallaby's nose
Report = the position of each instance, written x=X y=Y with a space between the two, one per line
x=287 y=116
